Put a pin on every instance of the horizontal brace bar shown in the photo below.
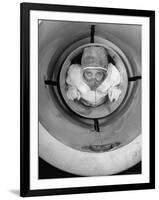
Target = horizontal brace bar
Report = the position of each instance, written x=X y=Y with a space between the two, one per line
x=134 y=78
x=49 y=82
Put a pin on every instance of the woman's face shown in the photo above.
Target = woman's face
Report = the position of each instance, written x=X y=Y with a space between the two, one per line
x=94 y=77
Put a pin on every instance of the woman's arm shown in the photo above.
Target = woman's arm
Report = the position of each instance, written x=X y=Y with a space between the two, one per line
x=114 y=93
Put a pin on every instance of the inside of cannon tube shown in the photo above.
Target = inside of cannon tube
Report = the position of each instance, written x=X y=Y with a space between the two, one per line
x=93 y=128
x=94 y=107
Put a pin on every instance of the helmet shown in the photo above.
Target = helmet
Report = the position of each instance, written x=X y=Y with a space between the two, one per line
x=94 y=57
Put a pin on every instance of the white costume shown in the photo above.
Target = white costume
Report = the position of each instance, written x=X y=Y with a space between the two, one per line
x=77 y=87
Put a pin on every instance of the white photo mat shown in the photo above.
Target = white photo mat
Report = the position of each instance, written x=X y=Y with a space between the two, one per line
x=36 y=183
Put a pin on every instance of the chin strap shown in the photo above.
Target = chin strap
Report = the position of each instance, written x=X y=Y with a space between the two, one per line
x=89 y=67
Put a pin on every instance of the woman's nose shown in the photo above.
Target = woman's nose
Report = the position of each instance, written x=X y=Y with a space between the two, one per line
x=93 y=76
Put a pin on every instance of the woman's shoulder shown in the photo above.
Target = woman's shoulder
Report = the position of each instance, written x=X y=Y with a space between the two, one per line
x=113 y=73
x=74 y=67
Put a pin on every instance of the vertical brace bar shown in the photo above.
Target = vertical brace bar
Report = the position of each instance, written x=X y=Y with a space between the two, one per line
x=134 y=78
x=92 y=33
x=96 y=125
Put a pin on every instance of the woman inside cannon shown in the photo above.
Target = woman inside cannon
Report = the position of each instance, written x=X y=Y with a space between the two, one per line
x=94 y=81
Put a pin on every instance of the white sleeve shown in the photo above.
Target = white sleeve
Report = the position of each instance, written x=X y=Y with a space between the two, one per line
x=113 y=79
x=114 y=93
x=73 y=76
x=73 y=80
x=73 y=93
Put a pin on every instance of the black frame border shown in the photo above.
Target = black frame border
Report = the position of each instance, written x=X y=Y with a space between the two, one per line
x=25 y=9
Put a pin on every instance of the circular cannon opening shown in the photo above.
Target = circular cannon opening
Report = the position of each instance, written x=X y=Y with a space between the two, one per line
x=81 y=108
